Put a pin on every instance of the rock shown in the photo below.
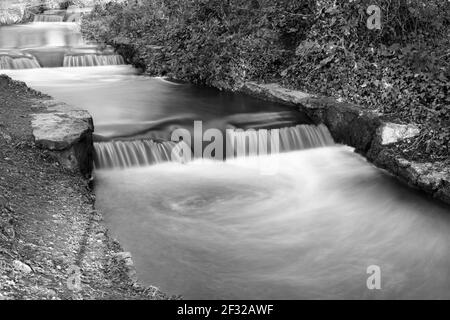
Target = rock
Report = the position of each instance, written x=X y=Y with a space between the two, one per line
x=59 y=131
x=67 y=133
x=126 y=260
x=444 y=192
x=433 y=178
x=41 y=291
x=275 y=92
x=392 y=132
x=5 y=136
x=7 y=230
x=3 y=202
x=22 y=267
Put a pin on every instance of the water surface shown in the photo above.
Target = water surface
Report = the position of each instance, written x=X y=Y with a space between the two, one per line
x=214 y=230
x=126 y=104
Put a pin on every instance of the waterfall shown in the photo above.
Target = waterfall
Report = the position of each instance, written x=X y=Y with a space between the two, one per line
x=48 y=18
x=124 y=154
x=8 y=62
x=260 y=142
x=305 y=137
x=91 y=60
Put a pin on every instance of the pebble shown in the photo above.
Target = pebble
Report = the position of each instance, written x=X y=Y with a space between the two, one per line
x=22 y=267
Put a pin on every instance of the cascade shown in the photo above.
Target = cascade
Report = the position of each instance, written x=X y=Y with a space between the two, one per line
x=18 y=62
x=48 y=18
x=124 y=154
x=91 y=60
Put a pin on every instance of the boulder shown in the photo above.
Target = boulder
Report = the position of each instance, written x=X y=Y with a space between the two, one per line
x=22 y=267
x=392 y=132
x=125 y=259
x=431 y=177
x=59 y=131
x=67 y=132
x=274 y=92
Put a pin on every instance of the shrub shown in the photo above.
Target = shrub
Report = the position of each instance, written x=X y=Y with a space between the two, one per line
x=213 y=42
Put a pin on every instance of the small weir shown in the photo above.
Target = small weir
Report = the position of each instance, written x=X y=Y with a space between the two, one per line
x=51 y=41
x=308 y=227
x=48 y=18
x=92 y=60
x=18 y=62
x=126 y=154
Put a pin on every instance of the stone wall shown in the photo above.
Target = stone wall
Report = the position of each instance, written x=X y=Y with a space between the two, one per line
x=367 y=132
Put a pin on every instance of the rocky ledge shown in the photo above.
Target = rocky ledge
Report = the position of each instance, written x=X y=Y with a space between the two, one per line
x=368 y=132
x=66 y=132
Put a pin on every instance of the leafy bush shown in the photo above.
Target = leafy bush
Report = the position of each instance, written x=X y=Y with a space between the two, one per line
x=213 y=42
x=402 y=70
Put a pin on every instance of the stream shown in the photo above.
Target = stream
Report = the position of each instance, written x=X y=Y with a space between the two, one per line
x=209 y=229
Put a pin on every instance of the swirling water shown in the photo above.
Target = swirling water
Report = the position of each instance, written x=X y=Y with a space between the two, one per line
x=223 y=230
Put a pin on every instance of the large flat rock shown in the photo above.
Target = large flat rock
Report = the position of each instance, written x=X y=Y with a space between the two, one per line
x=392 y=132
x=59 y=130
x=66 y=131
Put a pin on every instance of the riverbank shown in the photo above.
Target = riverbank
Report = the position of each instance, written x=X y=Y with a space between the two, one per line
x=363 y=77
x=53 y=244
x=379 y=138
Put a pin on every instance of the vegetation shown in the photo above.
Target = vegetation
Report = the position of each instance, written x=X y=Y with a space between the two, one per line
x=23 y=11
x=322 y=46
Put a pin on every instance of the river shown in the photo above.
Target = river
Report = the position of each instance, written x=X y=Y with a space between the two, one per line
x=309 y=229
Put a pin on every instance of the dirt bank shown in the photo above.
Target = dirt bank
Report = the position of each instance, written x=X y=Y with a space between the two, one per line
x=53 y=244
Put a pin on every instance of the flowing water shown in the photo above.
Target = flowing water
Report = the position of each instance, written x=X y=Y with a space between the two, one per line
x=140 y=153
x=307 y=228
x=92 y=60
x=48 y=18
x=18 y=62
x=52 y=43
x=210 y=229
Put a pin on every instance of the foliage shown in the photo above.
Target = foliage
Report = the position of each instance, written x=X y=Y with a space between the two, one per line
x=322 y=46
x=214 y=42
x=402 y=70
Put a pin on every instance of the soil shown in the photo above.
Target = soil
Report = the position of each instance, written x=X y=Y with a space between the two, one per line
x=53 y=244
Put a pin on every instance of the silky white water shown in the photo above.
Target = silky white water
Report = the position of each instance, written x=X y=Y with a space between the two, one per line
x=135 y=153
x=51 y=43
x=126 y=104
x=224 y=230
x=214 y=229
